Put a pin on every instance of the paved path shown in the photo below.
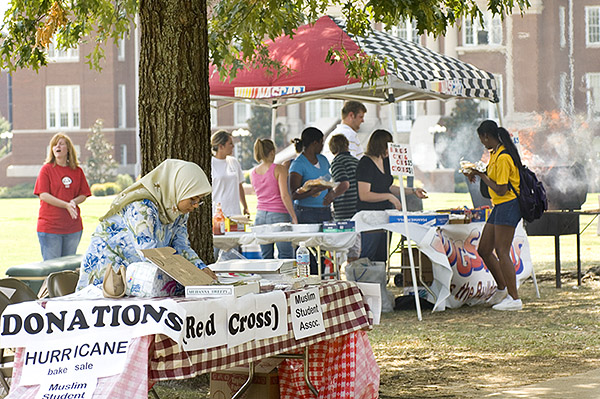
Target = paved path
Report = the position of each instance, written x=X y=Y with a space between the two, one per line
x=578 y=386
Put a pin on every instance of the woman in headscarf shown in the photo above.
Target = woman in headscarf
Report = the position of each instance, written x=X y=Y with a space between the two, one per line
x=151 y=213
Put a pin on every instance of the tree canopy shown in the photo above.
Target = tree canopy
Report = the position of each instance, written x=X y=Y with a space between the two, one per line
x=237 y=28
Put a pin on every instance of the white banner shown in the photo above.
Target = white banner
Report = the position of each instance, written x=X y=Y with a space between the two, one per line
x=28 y=322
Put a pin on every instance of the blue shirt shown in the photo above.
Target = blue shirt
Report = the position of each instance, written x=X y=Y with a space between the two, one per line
x=308 y=171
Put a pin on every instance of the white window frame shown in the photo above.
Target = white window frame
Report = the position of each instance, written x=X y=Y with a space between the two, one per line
x=56 y=55
x=592 y=27
x=123 y=149
x=122 y=107
x=592 y=81
x=562 y=26
x=493 y=27
x=322 y=108
x=63 y=108
x=406 y=114
x=213 y=114
x=241 y=111
x=121 y=49
x=406 y=30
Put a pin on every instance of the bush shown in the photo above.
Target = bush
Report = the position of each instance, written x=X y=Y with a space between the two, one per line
x=111 y=188
x=23 y=190
x=124 y=181
x=98 y=190
x=461 y=187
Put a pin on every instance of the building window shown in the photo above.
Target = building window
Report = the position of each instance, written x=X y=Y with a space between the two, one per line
x=477 y=34
x=592 y=26
x=562 y=27
x=122 y=107
x=213 y=114
x=319 y=109
x=489 y=108
x=562 y=91
x=62 y=107
x=593 y=95
x=123 y=154
x=406 y=113
x=57 y=55
x=121 y=49
x=241 y=113
x=406 y=30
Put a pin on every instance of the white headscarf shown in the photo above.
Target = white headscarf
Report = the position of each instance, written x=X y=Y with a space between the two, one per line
x=170 y=182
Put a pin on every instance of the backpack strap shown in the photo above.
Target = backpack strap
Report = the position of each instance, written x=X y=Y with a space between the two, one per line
x=510 y=186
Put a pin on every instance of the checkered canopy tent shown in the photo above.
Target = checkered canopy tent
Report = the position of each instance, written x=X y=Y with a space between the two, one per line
x=415 y=72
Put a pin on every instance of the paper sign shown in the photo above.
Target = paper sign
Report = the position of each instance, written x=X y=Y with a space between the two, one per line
x=372 y=296
x=273 y=306
x=400 y=160
x=307 y=315
x=206 y=324
x=178 y=268
x=79 y=360
x=64 y=389
x=242 y=321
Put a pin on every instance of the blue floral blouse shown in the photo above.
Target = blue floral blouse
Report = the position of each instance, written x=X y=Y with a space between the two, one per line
x=117 y=240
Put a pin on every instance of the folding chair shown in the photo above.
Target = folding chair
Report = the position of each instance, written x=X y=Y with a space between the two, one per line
x=6 y=361
x=22 y=292
x=62 y=283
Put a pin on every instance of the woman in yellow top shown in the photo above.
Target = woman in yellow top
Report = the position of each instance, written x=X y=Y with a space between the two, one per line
x=499 y=230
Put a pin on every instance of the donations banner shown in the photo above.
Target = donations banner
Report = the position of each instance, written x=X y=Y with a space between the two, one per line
x=400 y=160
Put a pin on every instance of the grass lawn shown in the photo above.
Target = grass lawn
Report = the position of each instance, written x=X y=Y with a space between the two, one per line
x=19 y=243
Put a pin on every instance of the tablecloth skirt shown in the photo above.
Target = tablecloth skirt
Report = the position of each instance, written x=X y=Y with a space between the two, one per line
x=132 y=384
x=343 y=367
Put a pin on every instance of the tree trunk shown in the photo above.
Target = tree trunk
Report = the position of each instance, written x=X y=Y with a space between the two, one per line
x=174 y=98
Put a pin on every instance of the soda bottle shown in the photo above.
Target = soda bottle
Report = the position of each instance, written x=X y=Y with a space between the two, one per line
x=303 y=260
x=218 y=221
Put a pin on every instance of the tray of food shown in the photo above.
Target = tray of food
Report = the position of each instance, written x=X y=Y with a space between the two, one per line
x=320 y=184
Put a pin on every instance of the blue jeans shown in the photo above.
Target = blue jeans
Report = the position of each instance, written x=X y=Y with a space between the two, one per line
x=310 y=215
x=57 y=245
x=507 y=214
x=374 y=245
x=284 y=249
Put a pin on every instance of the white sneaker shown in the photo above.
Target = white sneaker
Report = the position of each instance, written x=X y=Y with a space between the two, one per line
x=498 y=297
x=509 y=304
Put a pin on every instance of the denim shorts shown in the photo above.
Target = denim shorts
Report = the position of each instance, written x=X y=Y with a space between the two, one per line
x=506 y=214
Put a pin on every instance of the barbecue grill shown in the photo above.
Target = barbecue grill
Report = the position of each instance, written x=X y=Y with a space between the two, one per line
x=566 y=190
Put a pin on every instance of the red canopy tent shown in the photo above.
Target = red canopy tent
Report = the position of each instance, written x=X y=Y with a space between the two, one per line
x=418 y=73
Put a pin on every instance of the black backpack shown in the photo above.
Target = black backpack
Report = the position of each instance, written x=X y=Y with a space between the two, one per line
x=532 y=198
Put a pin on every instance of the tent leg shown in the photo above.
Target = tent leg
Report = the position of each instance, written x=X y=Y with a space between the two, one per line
x=273 y=123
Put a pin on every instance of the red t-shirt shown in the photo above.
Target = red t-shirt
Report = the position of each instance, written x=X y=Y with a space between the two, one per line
x=63 y=183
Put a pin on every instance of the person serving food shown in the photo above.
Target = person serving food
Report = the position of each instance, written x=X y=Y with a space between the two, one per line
x=151 y=213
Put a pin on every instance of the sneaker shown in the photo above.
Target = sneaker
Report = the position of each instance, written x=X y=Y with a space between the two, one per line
x=498 y=297
x=509 y=304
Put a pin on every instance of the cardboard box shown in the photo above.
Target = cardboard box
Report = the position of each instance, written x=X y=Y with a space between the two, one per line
x=178 y=268
x=223 y=384
x=420 y=259
x=219 y=291
x=338 y=227
x=424 y=219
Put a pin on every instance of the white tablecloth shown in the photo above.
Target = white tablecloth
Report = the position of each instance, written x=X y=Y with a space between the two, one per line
x=460 y=276
x=326 y=241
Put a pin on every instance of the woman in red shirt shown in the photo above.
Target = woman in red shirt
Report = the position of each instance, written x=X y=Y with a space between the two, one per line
x=61 y=186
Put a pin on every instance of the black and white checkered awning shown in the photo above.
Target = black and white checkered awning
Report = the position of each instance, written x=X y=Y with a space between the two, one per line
x=425 y=69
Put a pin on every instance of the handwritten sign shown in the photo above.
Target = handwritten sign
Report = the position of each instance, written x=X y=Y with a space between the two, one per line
x=307 y=315
x=401 y=163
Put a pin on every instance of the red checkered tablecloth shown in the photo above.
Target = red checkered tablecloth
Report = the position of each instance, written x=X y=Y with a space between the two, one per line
x=344 y=311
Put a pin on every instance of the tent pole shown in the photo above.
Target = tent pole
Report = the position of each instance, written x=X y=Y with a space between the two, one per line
x=499 y=113
x=273 y=121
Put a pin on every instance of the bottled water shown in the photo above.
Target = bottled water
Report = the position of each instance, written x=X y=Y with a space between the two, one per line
x=303 y=260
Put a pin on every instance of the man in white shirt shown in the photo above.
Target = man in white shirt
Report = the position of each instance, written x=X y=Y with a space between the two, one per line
x=353 y=115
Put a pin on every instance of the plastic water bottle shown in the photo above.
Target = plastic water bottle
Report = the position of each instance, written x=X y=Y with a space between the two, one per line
x=303 y=260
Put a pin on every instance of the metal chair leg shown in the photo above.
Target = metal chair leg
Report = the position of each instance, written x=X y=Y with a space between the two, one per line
x=154 y=393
